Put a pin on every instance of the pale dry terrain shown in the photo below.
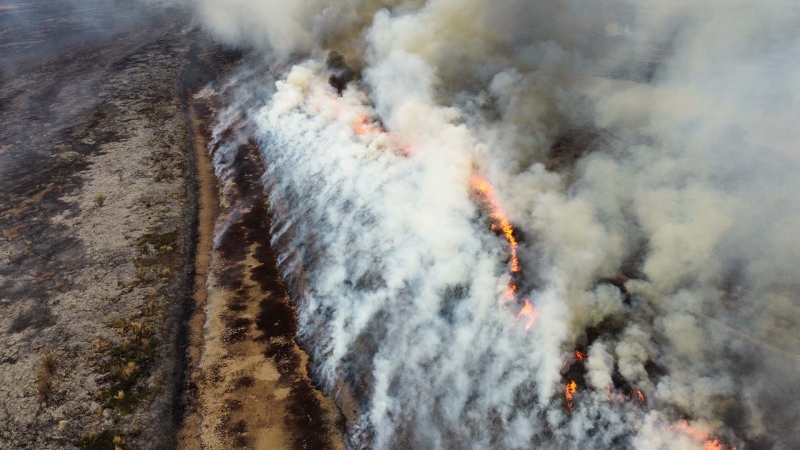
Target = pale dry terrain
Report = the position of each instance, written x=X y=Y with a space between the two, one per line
x=96 y=208
x=104 y=179
x=94 y=219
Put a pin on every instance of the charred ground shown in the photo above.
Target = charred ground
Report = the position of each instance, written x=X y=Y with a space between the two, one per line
x=96 y=213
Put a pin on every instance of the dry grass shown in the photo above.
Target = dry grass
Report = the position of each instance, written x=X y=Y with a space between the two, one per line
x=158 y=257
x=99 y=200
x=46 y=375
x=105 y=440
x=164 y=175
x=126 y=364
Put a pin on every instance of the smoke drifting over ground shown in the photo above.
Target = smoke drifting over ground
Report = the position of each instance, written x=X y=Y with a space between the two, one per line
x=645 y=155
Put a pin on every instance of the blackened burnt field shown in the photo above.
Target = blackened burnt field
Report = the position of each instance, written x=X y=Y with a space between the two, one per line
x=97 y=206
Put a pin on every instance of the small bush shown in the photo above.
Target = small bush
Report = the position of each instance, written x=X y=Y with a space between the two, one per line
x=99 y=200
x=45 y=375
x=106 y=440
x=125 y=364
x=163 y=175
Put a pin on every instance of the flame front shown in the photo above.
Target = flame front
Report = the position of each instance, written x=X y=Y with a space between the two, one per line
x=486 y=192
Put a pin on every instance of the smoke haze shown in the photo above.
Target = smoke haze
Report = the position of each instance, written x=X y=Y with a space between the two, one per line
x=645 y=154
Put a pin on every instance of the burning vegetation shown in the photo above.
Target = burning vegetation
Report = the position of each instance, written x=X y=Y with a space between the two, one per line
x=537 y=228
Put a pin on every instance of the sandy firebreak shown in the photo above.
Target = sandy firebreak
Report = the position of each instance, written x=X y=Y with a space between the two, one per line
x=253 y=390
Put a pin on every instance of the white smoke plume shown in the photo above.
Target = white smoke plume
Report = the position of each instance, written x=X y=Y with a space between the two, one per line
x=645 y=154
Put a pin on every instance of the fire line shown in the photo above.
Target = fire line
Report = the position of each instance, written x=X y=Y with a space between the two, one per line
x=486 y=193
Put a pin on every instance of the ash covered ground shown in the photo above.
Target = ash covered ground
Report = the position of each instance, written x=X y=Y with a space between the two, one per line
x=96 y=213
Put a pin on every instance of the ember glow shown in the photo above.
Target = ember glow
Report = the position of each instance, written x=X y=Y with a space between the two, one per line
x=527 y=313
x=376 y=135
x=713 y=445
x=362 y=127
x=619 y=397
x=709 y=443
x=622 y=175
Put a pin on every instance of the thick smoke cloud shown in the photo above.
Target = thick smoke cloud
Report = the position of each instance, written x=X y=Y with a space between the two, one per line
x=644 y=151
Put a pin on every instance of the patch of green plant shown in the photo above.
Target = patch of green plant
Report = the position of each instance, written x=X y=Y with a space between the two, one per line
x=104 y=440
x=157 y=240
x=159 y=256
x=125 y=364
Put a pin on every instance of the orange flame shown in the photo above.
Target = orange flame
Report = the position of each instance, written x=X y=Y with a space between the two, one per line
x=571 y=389
x=710 y=444
x=689 y=431
x=528 y=312
x=510 y=292
x=577 y=356
x=486 y=192
x=618 y=397
x=362 y=127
